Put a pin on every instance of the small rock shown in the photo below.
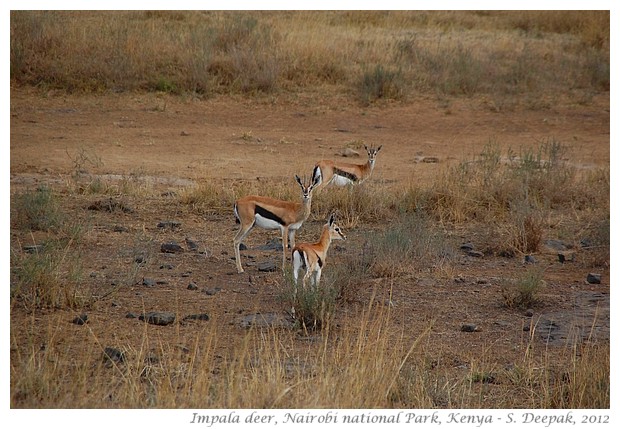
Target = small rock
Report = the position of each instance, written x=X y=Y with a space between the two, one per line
x=593 y=278
x=266 y=266
x=81 y=319
x=469 y=327
x=529 y=259
x=131 y=315
x=467 y=246
x=171 y=247
x=192 y=286
x=201 y=316
x=191 y=244
x=166 y=267
x=273 y=244
x=243 y=246
x=148 y=282
x=35 y=248
x=213 y=291
x=158 y=318
x=112 y=355
x=475 y=254
x=184 y=133
x=120 y=228
x=169 y=224
x=529 y=312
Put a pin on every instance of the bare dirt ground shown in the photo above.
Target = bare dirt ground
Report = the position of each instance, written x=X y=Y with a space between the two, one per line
x=176 y=143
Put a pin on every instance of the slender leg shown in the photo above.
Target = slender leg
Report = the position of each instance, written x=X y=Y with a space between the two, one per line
x=241 y=234
x=284 y=245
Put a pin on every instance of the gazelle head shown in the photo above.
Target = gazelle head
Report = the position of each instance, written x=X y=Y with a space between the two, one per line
x=335 y=232
x=306 y=190
x=372 y=154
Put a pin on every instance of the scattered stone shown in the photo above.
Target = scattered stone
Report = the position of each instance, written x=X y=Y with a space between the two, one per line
x=34 y=248
x=184 y=133
x=131 y=315
x=148 y=282
x=243 y=246
x=191 y=244
x=273 y=244
x=529 y=312
x=166 y=267
x=140 y=259
x=593 y=278
x=81 y=319
x=186 y=274
x=467 y=246
x=426 y=159
x=171 y=247
x=110 y=205
x=169 y=224
x=112 y=355
x=213 y=291
x=162 y=282
x=201 y=316
x=469 y=327
x=192 y=286
x=266 y=266
x=120 y=228
x=475 y=254
x=529 y=259
x=158 y=318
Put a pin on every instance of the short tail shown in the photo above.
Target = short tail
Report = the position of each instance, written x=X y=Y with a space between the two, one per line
x=236 y=214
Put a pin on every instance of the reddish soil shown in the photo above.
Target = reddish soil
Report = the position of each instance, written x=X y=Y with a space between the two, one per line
x=177 y=142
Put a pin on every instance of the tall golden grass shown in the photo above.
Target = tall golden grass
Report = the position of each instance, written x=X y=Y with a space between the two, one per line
x=365 y=55
x=370 y=364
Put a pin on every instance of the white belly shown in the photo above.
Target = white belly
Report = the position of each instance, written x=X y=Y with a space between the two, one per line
x=265 y=223
x=341 y=181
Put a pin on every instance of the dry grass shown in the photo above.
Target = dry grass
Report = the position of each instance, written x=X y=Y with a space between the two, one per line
x=369 y=56
x=370 y=357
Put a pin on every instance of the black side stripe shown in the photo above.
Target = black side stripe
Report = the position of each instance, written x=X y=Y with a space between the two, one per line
x=268 y=215
x=352 y=177
x=320 y=261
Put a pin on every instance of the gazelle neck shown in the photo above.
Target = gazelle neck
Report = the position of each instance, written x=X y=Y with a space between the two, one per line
x=326 y=238
x=304 y=208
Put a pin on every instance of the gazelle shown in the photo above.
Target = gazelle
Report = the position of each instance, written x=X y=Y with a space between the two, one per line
x=343 y=173
x=270 y=213
x=311 y=256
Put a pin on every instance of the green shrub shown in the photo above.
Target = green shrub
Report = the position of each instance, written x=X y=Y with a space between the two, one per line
x=37 y=210
x=524 y=291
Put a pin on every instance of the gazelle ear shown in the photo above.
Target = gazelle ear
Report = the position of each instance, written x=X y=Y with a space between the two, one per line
x=332 y=218
x=379 y=148
x=299 y=181
x=316 y=180
x=366 y=147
